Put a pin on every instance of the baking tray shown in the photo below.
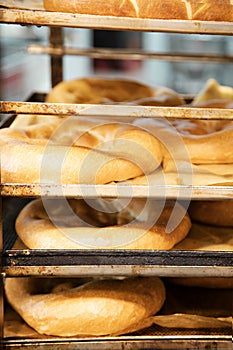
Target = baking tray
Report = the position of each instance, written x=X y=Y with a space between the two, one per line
x=104 y=262
x=182 y=300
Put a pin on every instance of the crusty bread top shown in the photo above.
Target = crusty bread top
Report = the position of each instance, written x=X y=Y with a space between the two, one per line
x=209 y=10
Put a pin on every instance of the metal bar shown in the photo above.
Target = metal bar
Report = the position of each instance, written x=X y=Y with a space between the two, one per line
x=117 y=110
x=122 y=270
x=56 y=39
x=127 y=343
x=128 y=54
x=1 y=275
x=117 y=262
x=45 y=18
x=112 y=191
x=121 y=257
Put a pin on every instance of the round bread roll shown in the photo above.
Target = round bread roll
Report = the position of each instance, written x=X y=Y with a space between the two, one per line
x=75 y=224
x=92 y=90
x=217 y=213
x=167 y=9
x=84 y=150
x=77 y=150
x=98 y=90
x=100 y=307
x=112 y=90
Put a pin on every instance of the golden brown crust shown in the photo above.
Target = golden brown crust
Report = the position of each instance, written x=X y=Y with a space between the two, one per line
x=218 y=213
x=83 y=227
x=98 y=90
x=109 y=90
x=124 y=8
x=211 y=92
x=99 y=307
x=115 y=152
x=210 y=10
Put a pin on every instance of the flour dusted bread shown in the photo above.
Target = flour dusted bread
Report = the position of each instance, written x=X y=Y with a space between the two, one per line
x=96 y=308
x=75 y=224
x=214 y=10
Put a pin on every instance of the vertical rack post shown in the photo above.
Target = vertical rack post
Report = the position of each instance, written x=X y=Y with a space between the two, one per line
x=56 y=39
x=1 y=277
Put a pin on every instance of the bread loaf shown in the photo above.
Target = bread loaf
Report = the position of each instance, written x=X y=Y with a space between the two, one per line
x=77 y=150
x=112 y=90
x=216 y=213
x=100 y=307
x=54 y=224
x=208 y=10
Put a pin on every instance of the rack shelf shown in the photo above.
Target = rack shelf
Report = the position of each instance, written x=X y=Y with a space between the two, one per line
x=117 y=263
x=113 y=191
x=166 y=342
x=117 y=110
x=57 y=19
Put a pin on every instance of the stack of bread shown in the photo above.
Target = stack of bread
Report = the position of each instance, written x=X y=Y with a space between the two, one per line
x=102 y=150
x=98 y=151
x=95 y=308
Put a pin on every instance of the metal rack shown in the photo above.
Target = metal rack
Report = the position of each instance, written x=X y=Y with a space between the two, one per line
x=98 y=263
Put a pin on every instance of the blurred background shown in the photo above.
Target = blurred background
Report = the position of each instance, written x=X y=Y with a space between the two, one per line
x=23 y=74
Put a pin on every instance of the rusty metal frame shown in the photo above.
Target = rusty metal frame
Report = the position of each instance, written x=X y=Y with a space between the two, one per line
x=57 y=19
x=117 y=263
x=124 y=54
x=56 y=62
